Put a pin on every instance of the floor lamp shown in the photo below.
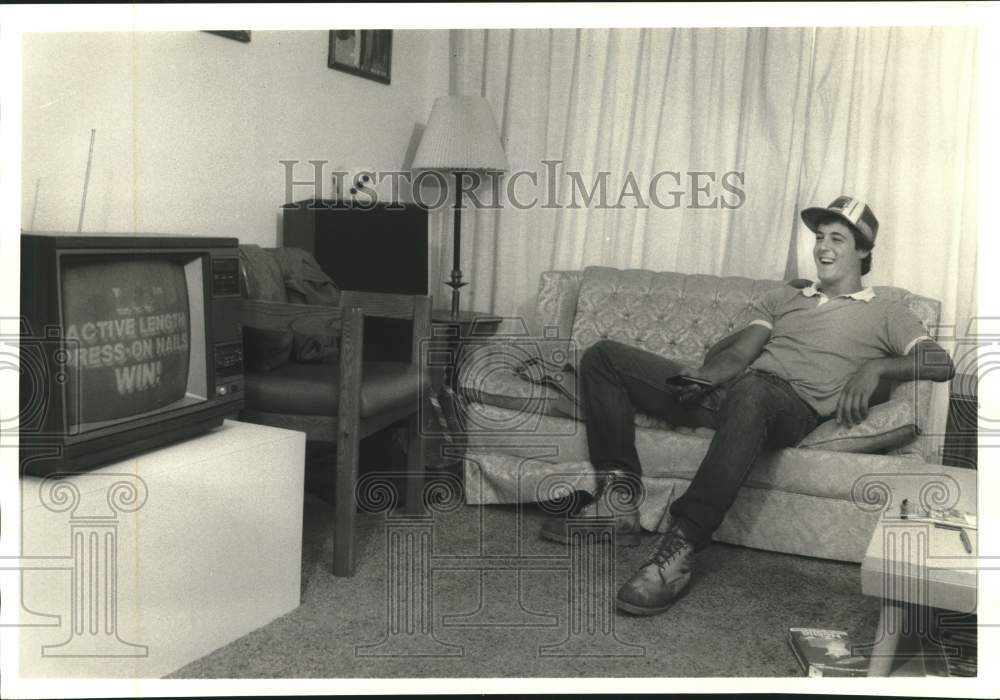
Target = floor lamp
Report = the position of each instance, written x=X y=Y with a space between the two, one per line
x=461 y=138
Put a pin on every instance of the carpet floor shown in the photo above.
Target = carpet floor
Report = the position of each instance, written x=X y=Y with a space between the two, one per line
x=504 y=624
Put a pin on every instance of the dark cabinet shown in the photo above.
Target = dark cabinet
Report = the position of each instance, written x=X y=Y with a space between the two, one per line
x=373 y=248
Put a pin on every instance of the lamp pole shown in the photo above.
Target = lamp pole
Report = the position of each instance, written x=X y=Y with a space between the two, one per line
x=461 y=137
x=456 y=282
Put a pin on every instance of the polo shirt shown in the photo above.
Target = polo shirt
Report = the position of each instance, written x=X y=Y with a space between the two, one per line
x=818 y=343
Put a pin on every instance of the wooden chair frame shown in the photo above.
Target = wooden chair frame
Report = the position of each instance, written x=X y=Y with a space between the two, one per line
x=347 y=428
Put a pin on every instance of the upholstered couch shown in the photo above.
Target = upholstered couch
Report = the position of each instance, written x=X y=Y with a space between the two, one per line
x=820 y=498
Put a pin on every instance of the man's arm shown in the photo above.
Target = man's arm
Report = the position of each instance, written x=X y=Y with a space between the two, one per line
x=927 y=360
x=725 y=362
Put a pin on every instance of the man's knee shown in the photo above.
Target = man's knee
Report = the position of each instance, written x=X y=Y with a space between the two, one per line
x=749 y=394
x=598 y=355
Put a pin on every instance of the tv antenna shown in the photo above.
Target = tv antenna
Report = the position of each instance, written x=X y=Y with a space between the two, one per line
x=86 y=181
x=34 y=205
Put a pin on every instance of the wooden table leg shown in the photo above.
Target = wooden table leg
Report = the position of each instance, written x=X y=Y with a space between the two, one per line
x=415 y=467
x=887 y=636
x=899 y=646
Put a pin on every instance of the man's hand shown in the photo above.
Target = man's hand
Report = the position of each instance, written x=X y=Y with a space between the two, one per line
x=927 y=360
x=852 y=406
x=692 y=392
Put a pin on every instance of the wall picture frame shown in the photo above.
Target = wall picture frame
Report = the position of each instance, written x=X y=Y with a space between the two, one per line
x=366 y=53
x=238 y=35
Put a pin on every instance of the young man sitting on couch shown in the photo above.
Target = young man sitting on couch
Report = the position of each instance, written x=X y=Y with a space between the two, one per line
x=806 y=355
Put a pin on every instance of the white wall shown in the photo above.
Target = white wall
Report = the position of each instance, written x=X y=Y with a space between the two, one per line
x=191 y=126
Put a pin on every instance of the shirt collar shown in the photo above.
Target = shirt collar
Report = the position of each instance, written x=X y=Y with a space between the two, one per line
x=866 y=294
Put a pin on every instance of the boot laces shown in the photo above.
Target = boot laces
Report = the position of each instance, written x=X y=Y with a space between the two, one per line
x=672 y=543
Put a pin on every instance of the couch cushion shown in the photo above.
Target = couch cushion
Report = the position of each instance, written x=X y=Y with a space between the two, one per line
x=310 y=388
x=504 y=388
x=888 y=426
x=677 y=453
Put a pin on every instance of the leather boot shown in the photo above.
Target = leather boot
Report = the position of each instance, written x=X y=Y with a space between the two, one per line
x=661 y=580
x=615 y=504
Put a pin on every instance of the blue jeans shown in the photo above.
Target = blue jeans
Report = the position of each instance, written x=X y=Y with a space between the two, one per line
x=755 y=411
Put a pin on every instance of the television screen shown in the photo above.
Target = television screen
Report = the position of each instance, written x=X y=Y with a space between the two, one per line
x=129 y=327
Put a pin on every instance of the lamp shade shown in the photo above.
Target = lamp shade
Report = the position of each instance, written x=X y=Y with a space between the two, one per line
x=461 y=134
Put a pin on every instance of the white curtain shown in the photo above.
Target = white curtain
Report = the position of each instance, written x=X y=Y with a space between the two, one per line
x=640 y=102
x=892 y=119
x=802 y=114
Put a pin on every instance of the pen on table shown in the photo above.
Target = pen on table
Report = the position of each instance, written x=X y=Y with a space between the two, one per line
x=965 y=540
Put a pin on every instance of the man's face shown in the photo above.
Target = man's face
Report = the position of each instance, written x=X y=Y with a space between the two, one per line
x=835 y=254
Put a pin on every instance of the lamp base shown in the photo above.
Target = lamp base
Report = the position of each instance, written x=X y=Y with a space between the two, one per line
x=455 y=283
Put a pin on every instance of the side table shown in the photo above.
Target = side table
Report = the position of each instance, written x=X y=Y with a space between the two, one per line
x=915 y=568
x=448 y=334
x=448 y=331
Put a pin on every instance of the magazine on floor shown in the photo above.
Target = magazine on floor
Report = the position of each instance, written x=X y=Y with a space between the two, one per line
x=826 y=653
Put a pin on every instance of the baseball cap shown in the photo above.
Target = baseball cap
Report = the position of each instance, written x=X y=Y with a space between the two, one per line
x=850 y=210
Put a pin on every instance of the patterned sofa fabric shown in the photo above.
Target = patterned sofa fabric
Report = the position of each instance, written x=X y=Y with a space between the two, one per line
x=674 y=315
x=675 y=453
x=889 y=426
x=681 y=316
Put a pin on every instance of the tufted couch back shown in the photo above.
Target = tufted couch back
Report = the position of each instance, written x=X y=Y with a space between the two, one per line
x=672 y=314
x=681 y=316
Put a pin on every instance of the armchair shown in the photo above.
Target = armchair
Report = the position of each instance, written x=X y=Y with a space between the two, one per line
x=338 y=398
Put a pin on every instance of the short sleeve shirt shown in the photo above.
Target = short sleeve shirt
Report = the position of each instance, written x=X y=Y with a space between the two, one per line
x=817 y=343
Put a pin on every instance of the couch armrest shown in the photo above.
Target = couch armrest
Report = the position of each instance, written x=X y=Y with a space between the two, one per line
x=479 y=364
x=555 y=310
x=556 y=304
x=918 y=393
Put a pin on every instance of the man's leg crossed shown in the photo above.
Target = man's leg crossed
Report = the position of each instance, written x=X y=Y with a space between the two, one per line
x=616 y=380
x=760 y=412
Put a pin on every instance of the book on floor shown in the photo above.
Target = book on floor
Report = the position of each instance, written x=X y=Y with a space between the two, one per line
x=826 y=653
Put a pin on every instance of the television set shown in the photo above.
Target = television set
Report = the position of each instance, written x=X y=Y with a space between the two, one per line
x=128 y=342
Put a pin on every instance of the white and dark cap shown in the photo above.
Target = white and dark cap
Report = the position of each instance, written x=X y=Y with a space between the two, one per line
x=851 y=211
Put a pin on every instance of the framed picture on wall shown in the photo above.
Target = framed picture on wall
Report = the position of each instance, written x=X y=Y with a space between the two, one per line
x=240 y=35
x=363 y=52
